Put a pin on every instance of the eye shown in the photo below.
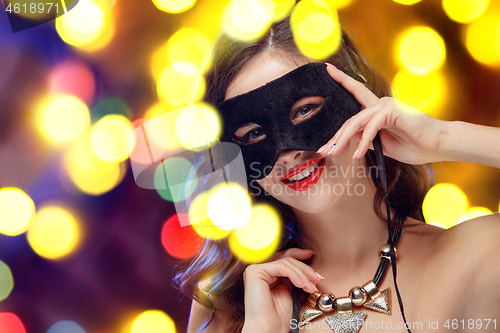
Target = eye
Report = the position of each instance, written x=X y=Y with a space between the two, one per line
x=249 y=133
x=306 y=108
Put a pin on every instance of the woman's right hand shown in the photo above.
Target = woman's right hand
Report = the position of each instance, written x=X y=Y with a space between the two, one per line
x=268 y=290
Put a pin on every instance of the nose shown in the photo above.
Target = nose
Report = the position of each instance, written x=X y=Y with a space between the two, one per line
x=289 y=157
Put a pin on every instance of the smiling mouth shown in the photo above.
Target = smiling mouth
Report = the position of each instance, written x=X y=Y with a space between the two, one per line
x=307 y=178
x=306 y=173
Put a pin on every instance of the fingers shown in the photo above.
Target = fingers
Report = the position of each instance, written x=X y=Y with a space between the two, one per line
x=362 y=94
x=300 y=274
x=304 y=273
x=299 y=254
x=369 y=132
x=352 y=129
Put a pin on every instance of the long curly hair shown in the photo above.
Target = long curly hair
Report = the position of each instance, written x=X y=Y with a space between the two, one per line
x=407 y=184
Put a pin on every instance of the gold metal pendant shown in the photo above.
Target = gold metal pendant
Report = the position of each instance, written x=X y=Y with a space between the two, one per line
x=380 y=301
x=346 y=321
x=307 y=314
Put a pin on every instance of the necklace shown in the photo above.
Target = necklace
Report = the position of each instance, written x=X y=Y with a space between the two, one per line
x=367 y=295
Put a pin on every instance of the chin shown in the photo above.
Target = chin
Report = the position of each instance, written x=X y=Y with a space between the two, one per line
x=311 y=201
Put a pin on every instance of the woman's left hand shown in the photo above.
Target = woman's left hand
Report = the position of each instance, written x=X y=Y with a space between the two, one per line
x=407 y=134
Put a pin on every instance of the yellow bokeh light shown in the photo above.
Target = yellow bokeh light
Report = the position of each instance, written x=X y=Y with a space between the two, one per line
x=174 y=6
x=159 y=60
x=161 y=130
x=483 y=39
x=158 y=109
x=474 y=212
x=426 y=93
x=95 y=44
x=444 y=204
x=64 y=119
x=82 y=25
x=247 y=20
x=341 y=3
x=155 y=136
x=17 y=211
x=229 y=206
x=55 y=233
x=109 y=138
x=6 y=281
x=465 y=11
x=197 y=125
x=259 y=238
x=106 y=5
x=421 y=50
x=179 y=88
x=87 y=18
x=282 y=9
x=189 y=51
x=90 y=174
x=316 y=29
x=199 y=220
x=153 y=321
x=407 y=2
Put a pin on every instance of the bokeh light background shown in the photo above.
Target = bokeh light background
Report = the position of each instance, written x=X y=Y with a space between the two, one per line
x=82 y=248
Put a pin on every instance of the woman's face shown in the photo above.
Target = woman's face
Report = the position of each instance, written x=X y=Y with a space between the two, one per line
x=305 y=180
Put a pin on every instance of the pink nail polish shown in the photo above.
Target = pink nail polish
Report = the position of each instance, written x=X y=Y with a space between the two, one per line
x=355 y=154
x=328 y=64
x=313 y=286
x=321 y=149
x=332 y=148
x=319 y=275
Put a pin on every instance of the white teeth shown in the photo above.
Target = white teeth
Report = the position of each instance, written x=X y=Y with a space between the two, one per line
x=305 y=173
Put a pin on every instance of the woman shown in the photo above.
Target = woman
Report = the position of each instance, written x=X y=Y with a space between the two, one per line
x=333 y=239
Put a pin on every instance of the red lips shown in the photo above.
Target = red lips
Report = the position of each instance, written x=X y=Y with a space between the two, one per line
x=307 y=182
x=300 y=168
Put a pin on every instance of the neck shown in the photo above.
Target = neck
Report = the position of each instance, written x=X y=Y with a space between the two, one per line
x=346 y=236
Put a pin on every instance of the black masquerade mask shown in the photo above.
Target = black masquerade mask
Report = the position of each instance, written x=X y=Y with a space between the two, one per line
x=270 y=106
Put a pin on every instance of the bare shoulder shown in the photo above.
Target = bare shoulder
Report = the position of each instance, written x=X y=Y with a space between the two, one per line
x=476 y=236
x=200 y=313
x=470 y=246
x=420 y=238
x=473 y=252
x=471 y=249
x=462 y=264
x=480 y=236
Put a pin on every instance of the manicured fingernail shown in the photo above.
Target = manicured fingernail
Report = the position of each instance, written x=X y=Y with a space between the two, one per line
x=319 y=275
x=313 y=286
x=328 y=64
x=332 y=148
x=309 y=251
x=321 y=149
x=355 y=154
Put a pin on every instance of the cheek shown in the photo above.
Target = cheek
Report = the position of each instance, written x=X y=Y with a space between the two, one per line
x=276 y=190
x=265 y=182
